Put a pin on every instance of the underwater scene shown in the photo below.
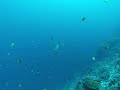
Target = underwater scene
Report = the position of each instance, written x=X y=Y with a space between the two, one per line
x=59 y=45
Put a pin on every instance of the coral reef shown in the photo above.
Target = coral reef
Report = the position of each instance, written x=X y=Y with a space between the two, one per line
x=104 y=74
x=91 y=82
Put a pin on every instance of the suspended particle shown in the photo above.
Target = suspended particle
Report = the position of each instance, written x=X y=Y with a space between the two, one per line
x=8 y=54
x=19 y=85
x=12 y=44
x=93 y=58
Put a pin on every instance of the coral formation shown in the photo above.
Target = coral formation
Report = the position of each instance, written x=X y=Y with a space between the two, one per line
x=91 y=82
x=104 y=74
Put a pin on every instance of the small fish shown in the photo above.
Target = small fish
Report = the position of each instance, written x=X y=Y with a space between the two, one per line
x=106 y=1
x=52 y=37
x=56 y=47
x=84 y=18
x=19 y=61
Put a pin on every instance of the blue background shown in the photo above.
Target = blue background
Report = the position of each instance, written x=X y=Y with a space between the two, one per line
x=29 y=24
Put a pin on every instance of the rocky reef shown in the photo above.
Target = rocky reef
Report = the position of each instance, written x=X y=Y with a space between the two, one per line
x=104 y=74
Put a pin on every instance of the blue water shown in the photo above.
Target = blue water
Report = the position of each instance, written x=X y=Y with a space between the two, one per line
x=29 y=25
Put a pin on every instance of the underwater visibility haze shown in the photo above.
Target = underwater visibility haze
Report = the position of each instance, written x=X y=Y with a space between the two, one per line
x=47 y=44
